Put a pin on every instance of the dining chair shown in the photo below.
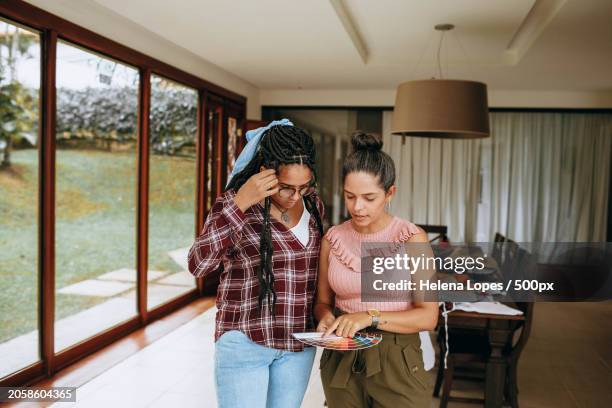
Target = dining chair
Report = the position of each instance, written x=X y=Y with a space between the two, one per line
x=499 y=237
x=511 y=390
x=441 y=230
x=469 y=350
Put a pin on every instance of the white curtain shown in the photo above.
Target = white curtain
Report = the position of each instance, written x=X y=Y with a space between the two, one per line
x=539 y=177
x=437 y=181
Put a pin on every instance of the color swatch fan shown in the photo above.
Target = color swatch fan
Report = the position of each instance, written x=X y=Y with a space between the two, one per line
x=360 y=341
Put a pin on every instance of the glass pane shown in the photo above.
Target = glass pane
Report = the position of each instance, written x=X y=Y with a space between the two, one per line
x=95 y=254
x=233 y=133
x=214 y=158
x=210 y=158
x=19 y=119
x=172 y=189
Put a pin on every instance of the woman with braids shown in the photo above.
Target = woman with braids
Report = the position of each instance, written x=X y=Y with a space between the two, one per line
x=266 y=231
x=392 y=374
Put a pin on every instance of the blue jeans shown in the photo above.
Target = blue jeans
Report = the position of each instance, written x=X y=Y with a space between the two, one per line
x=250 y=375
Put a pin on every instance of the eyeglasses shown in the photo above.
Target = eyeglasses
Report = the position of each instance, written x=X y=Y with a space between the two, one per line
x=288 y=192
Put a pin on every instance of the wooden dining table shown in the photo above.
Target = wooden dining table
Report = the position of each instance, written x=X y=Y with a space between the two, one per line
x=499 y=328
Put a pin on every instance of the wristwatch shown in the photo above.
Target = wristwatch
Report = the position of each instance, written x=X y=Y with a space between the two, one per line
x=375 y=314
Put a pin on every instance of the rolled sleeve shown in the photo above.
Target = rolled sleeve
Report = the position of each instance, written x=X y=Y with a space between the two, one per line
x=222 y=230
x=232 y=214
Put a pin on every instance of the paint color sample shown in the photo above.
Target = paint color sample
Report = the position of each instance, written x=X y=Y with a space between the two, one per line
x=360 y=341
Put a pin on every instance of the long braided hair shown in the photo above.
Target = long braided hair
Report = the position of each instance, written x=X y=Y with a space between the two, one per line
x=280 y=145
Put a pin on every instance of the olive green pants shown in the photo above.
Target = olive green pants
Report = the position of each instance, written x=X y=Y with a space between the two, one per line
x=390 y=374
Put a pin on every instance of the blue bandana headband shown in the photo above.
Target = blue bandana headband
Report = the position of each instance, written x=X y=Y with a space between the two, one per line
x=253 y=138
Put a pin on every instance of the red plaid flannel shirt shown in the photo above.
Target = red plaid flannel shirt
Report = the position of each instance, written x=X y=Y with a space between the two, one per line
x=232 y=237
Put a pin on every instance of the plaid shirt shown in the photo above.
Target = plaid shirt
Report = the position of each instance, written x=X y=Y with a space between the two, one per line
x=232 y=237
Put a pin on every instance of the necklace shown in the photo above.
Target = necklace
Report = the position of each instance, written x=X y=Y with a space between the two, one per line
x=284 y=215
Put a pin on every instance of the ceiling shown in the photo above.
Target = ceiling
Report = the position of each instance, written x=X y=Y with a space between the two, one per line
x=297 y=44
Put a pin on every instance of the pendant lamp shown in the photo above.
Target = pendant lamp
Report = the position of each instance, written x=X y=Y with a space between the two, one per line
x=441 y=108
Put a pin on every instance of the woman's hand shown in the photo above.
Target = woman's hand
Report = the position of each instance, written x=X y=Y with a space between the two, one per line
x=256 y=188
x=349 y=324
x=326 y=323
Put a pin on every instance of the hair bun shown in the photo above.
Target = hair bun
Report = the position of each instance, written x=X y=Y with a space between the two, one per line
x=366 y=141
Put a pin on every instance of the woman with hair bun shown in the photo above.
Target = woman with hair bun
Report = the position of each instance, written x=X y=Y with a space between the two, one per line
x=392 y=373
x=266 y=231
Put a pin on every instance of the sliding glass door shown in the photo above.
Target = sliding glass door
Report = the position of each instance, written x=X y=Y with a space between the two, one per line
x=95 y=207
x=19 y=186
x=172 y=189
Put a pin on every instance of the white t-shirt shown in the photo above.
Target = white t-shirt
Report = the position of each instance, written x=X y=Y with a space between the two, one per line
x=301 y=230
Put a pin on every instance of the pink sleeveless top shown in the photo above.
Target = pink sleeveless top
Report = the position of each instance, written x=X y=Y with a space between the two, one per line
x=345 y=263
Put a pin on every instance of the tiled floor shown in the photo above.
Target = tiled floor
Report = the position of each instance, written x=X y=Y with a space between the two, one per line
x=567 y=363
x=174 y=371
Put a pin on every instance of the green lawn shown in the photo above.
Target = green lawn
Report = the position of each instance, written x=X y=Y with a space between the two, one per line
x=95 y=225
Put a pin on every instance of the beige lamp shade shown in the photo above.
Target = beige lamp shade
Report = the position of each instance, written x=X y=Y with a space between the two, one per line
x=442 y=108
